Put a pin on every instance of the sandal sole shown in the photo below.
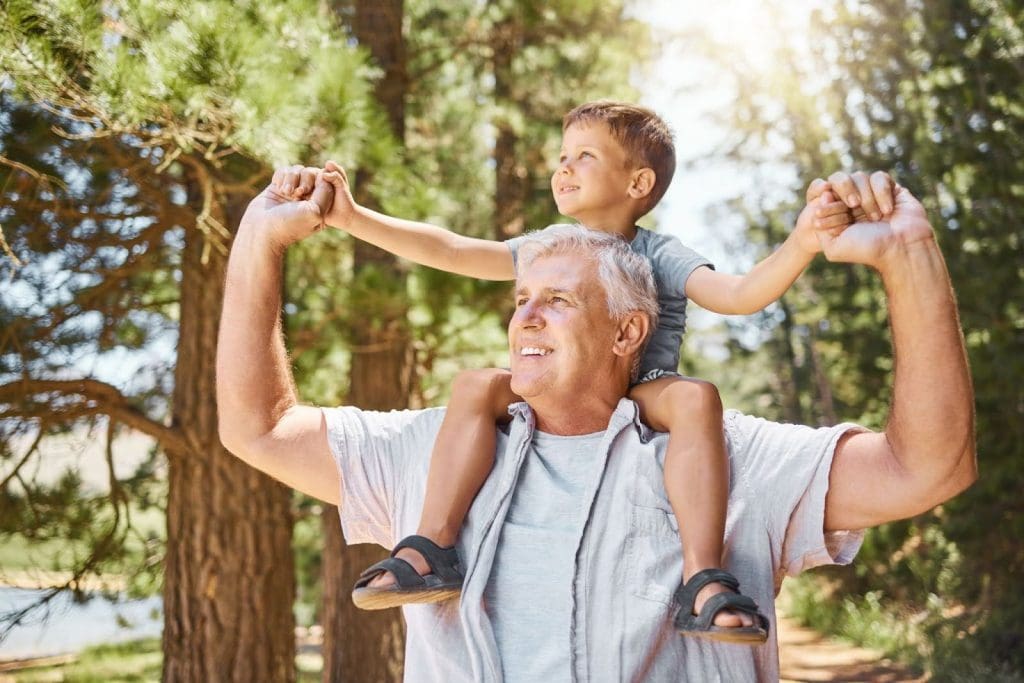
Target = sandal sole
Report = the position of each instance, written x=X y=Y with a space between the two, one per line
x=724 y=636
x=366 y=598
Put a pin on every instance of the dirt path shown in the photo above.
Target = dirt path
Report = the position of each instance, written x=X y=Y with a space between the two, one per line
x=808 y=656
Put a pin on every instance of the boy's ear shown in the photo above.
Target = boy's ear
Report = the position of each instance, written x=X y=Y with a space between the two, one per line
x=631 y=334
x=642 y=183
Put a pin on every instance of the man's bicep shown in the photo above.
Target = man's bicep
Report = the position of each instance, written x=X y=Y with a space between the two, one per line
x=296 y=452
x=867 y=486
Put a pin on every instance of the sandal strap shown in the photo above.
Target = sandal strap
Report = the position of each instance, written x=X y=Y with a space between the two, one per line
x=723 y=601
x=686 y=596
x=443 y=562
x=405 y=574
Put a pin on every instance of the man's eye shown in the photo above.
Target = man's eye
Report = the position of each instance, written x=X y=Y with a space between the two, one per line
x=520 y=302
x=558 y=299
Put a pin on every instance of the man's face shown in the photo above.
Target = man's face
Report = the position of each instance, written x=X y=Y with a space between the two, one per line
x=592 y=178
x=561 y=335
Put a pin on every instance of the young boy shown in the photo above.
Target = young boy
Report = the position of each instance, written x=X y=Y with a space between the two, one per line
x=616 y=162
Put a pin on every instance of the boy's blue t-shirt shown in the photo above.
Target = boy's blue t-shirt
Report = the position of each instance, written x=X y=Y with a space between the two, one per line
x=672 y=263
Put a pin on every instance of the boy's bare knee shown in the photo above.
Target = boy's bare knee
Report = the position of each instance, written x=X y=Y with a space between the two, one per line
x=695 y=396
x=485 y=387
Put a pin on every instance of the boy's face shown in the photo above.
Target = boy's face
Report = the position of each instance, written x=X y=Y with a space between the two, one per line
x=592 y=181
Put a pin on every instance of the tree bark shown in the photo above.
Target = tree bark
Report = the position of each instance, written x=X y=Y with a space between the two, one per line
x=511 y=178
x=229 y=582
x=362 y=645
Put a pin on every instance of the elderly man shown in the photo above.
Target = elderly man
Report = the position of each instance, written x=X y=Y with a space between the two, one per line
x=570 y=551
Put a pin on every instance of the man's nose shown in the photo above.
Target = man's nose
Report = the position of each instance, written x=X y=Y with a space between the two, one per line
x=527 y=315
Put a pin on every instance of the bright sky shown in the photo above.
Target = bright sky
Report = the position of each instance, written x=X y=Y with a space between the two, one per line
x=683 y=87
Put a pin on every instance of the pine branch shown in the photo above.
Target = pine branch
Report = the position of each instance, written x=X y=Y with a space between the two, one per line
x=104 y=399
x=21 y=463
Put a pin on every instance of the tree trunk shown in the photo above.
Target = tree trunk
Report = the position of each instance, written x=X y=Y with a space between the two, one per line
x=363 y=645
x=229 y=582
x=511 y=179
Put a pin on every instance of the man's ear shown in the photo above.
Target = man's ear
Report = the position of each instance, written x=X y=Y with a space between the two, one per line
x=642 y=183
x=631 y=334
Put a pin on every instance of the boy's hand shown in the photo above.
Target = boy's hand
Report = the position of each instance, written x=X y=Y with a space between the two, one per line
x=297 y=182
x=823 y=213
x=881 y=243
x=870 y=198
x=901 y=222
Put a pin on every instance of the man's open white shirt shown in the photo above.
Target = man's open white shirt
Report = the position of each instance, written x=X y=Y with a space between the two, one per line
x=628 y=558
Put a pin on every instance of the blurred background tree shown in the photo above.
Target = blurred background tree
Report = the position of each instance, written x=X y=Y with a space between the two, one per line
x=134 y=135
x=933 y=93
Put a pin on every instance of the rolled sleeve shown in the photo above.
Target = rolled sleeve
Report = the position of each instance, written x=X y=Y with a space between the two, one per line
x=382 y=460
x=786 y=468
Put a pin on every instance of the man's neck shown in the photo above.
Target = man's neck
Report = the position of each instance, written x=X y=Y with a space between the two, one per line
x=573 y=417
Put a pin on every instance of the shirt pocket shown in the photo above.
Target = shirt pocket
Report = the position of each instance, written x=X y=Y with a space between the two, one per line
x=653 y=550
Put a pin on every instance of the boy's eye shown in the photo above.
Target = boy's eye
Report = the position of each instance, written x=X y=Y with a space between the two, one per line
x=586 y=154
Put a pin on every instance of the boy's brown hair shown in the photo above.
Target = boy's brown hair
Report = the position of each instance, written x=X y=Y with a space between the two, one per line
x=644 y=136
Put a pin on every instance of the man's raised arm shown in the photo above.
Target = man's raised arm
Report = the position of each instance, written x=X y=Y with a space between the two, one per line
x=926 y=454
x=260 y=420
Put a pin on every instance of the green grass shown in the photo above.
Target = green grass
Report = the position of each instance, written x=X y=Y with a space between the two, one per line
x=137 y=661
x=133 y=662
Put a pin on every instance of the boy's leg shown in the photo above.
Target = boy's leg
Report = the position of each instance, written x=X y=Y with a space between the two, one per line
x=696 y=473
x=462 y=457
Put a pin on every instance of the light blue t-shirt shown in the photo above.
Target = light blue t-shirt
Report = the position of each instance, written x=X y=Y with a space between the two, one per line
x=672 y=263
x=549 y=510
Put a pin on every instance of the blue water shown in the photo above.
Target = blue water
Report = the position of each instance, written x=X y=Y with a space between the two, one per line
x=72 y=626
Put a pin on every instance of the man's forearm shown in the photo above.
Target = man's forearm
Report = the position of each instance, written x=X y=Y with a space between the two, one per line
x=931 y=422
x=254 y=381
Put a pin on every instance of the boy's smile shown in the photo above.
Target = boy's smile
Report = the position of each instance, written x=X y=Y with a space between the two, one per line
x=593 y=180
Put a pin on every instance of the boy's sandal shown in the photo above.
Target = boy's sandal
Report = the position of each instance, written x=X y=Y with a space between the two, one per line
x=703 y=625
x=443 y=583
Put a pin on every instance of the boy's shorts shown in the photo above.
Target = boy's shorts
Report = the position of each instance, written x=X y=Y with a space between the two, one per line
x=656 y=373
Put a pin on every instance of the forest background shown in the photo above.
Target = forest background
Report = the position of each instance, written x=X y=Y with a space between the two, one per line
x=134 y=132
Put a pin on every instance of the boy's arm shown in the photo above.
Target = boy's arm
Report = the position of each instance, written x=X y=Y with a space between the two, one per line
x=769 y=279
x=422 y=243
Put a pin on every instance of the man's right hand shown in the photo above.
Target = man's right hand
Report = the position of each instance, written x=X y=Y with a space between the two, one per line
x=298 y=182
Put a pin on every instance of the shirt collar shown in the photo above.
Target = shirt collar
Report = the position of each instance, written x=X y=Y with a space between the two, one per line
x=626 y=414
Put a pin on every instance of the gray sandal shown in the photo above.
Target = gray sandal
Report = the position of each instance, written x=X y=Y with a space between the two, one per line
x=443 y=583
x=702 y=625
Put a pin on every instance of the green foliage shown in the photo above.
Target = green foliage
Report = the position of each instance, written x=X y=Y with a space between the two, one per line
x=275 y=81
x=123 y=126
x=932 y=92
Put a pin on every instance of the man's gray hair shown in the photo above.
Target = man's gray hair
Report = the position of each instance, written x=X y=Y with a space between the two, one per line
x=626 y=276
